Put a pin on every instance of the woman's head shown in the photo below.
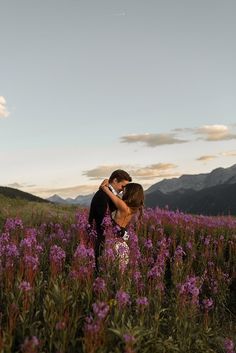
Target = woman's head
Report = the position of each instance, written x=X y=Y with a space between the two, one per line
x=134 y=195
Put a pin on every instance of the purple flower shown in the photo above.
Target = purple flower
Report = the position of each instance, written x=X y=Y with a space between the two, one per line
x=13 y=223
x=107 y=221
x=31 y=262
x=154 y=272
x=81 y=251
x=11 y=250
x=99 y=285
x=148 y=244
x=123 y=298
x=84 y=258
x=25 y=286
x=91 y=326
x=28 y=243
x=109 y=254
x=207 y=304
x=57 y=255
x=207 y=240
x=128 y=338
x=190 y=289
x=137 y=276
x=179 y=253
x=101 y=310
x=82 y=221
x=30 y=344
x=229 y=345
x=142 y=301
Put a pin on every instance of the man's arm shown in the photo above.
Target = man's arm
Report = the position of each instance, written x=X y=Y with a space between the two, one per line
x=98 y=208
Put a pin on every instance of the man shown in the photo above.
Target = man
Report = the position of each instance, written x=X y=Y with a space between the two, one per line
x=101 y=203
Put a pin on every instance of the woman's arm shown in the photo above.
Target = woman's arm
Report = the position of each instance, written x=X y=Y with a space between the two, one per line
x=120 y=204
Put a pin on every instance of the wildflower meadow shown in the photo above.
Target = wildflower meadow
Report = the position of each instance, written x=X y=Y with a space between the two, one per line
x=176 y=292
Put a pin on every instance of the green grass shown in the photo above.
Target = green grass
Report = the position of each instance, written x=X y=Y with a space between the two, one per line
x=34 y=213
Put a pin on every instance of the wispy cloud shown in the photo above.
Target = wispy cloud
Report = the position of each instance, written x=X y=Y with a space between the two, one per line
x=15 y=185
x=215 y=133
x=228 y=154
x=206 y=158
x=3 y=109
x=206 y=132
x=103 y=171
x=149 y=172
x=152 y=140
x=184 y=129
x=71 y=191
x=153 y=171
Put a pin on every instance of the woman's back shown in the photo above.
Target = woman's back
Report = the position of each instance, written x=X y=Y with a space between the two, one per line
x=122 y=218
x=130 y=204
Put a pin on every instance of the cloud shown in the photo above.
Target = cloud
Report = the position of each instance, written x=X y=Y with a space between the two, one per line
x=206 y=158
x=153 y=171
x=19 y=186
x=152 y=140
x=102 y=172
x=215 y=133
x=15 y=185
x=71 y=191
x=145 y=175
x=228 y=154
x=184 y=129
x=3 y=110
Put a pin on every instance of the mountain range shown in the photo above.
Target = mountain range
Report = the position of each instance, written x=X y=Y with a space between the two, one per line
x=207 y=193
x=211 y=193
x=196 y=182
x=82 y=200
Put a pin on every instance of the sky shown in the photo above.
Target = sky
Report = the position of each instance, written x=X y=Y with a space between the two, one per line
x=90 y=86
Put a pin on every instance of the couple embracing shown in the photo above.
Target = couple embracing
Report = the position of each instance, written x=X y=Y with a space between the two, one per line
x=121 y=200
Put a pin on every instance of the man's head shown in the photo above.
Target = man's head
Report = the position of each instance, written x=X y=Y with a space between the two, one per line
x=119 y=179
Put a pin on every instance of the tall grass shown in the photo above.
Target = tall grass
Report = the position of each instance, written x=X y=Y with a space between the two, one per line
x=34 y=213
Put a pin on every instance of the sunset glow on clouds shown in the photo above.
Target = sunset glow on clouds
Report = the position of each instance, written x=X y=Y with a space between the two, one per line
x=215 y=133
x=152 y=140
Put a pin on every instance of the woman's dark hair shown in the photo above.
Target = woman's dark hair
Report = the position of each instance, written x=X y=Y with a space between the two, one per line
x=120 y=175
x=134 y=197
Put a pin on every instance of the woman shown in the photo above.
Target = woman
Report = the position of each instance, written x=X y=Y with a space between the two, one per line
x=131 y=204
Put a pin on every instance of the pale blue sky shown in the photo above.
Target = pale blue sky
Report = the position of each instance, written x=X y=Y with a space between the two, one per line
x=77 y=78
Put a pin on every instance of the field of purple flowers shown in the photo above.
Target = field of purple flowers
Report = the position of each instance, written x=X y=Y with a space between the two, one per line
x=176 y=294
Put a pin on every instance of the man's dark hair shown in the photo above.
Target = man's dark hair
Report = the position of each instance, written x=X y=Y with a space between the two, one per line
x=120 y=175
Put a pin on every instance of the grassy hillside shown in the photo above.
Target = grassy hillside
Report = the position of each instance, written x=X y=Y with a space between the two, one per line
x=18 y=194
x=33 y=213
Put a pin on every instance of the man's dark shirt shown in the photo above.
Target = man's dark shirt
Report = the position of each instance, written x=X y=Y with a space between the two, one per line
x=100 y=204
